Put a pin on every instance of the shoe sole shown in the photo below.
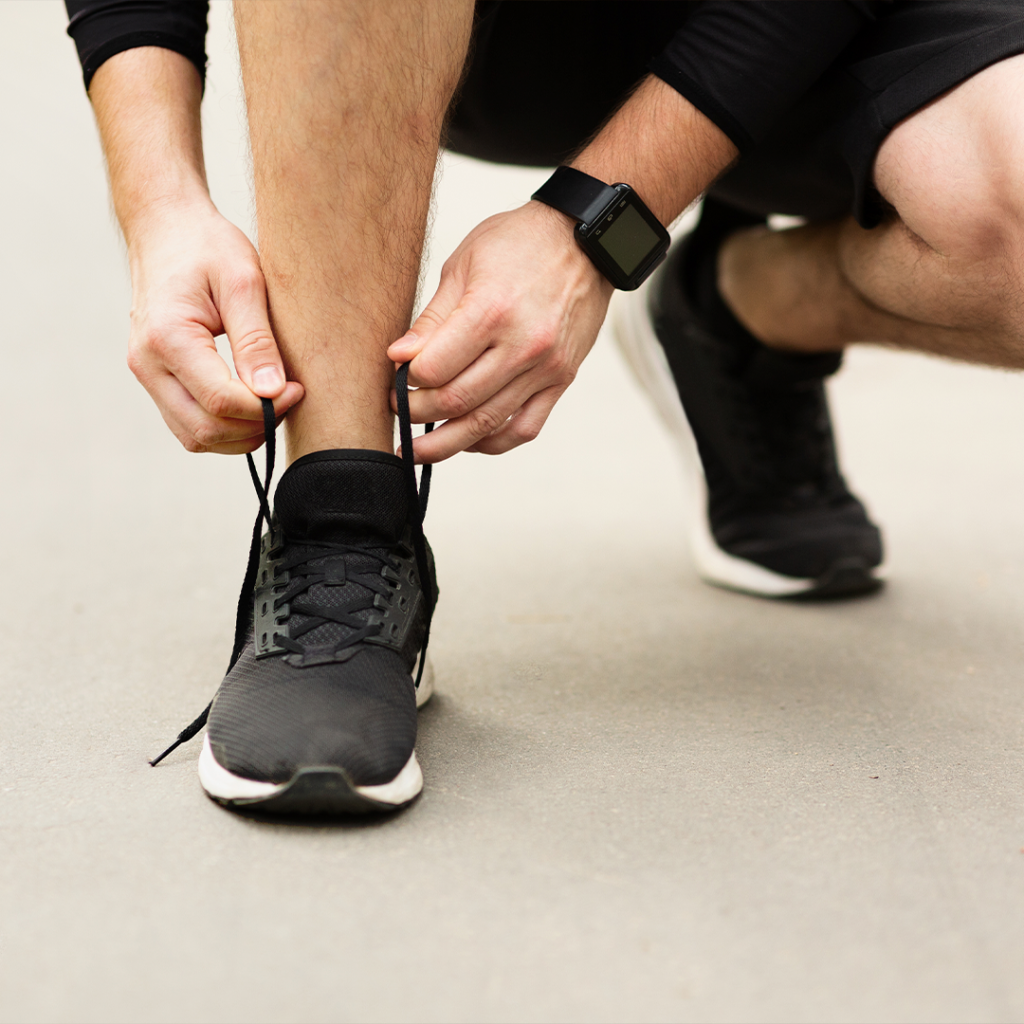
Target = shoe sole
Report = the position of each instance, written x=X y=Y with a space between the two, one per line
x=315 y=790
x=635 y=337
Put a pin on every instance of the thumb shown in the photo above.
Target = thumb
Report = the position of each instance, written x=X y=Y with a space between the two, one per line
x=434 y=314
x=242 y=305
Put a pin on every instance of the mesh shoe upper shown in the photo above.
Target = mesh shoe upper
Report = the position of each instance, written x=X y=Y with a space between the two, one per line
x=760 y=417
x=331 y=685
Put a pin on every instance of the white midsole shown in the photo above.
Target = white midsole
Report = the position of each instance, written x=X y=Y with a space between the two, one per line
x=225 y=785
x=634 y=334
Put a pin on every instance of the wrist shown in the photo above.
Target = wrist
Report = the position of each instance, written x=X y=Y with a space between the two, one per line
x=613 y=226
x=163 y=210
x=560 y=227
x=606 y=168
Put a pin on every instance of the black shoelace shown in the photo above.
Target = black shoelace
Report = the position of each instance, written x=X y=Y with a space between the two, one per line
x=797 y=435
x=308 y=574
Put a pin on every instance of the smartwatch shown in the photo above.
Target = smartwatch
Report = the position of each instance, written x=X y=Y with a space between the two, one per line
x=623 y=239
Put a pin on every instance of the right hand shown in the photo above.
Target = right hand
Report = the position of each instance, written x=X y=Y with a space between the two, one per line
x=196 y=276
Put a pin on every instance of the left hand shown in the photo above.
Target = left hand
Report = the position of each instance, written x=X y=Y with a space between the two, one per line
x=517 y=310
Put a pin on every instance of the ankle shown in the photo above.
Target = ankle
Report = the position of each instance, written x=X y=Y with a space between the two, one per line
x=304 y=436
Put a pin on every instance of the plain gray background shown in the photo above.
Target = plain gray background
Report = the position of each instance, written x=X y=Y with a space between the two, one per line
x=646 y=799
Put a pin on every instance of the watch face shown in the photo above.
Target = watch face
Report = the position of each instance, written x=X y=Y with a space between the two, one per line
x=625 y=241
x=626 y=238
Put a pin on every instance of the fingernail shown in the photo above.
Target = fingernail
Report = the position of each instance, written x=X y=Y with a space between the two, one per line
x=267 y=378
x=405 y=341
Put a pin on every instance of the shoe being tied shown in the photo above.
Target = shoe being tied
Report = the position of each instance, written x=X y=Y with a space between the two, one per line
x=317 y=713
x=771 y=514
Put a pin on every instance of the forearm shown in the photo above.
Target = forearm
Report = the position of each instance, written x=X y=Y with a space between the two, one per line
x=195 y=276
x=147 y=103
x=664 y=147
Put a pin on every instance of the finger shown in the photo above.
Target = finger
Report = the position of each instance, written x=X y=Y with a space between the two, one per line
x=522 y=427
x=458 y=434
x=192 y=358
x=436 y=312
x=191 y=425
x=538 y=347
x=196 y=429
x=235 y=447
x=451 y=344
x=241 y=298
x=481 y=380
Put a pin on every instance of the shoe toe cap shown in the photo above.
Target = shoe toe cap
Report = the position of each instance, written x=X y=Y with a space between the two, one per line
x=804 y=546
x=361 y=718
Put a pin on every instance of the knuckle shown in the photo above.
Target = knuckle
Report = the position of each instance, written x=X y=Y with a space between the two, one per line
x=454 y=402
x=564 y=371
x=556 y=363
x=150 y=339
x=429 y=318
x=428 y=373
x=542 y=346
x=525 y=432
x=484 y=421
x=191 y=444
x=492 y=315
x=217 y=404
x=251 y=342
x=205 y=434
x=135 y=361
x=244 y=282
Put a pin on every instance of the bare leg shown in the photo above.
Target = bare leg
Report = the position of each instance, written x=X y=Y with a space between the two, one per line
x=944 y=274
x=346 y=102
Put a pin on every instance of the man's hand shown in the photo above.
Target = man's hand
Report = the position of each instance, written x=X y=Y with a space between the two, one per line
x=519 y=304
x=518 y=308
x=195 y=276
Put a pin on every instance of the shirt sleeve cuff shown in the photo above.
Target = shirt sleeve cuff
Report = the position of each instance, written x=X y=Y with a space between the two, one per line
x=132 y=40
x=672 y=75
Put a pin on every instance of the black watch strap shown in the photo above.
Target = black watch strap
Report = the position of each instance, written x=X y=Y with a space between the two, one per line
x=575 y=194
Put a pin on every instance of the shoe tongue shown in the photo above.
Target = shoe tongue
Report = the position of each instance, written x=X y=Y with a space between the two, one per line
x=341 y=495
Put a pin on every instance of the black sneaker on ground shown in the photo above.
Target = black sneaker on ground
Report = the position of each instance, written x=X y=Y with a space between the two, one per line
x=771 y=514
x=317 y=713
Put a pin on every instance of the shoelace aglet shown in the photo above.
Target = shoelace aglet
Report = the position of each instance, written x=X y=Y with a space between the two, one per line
x=174 y=746
x=185 y=735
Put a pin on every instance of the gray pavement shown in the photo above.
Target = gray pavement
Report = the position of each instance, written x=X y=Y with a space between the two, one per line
x=646 y=799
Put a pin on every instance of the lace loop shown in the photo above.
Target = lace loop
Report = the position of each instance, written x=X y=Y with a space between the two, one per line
x=417 y=499
x=270 y=441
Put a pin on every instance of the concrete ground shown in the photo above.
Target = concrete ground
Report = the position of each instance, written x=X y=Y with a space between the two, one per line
x=646 y=799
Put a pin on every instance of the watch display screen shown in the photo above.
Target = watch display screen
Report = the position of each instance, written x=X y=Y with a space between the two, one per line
x=627 y=239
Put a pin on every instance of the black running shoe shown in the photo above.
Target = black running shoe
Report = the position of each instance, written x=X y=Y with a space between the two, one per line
x=317 y=713
x=771 y=512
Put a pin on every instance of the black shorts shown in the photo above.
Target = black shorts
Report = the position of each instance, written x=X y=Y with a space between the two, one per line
x=543 y=77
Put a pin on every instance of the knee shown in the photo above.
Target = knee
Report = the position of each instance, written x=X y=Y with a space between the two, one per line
x=954 y=171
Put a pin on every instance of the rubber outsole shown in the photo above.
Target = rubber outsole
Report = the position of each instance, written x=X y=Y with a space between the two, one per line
x=318 y=792
x=634 y=334
x=315 y=790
